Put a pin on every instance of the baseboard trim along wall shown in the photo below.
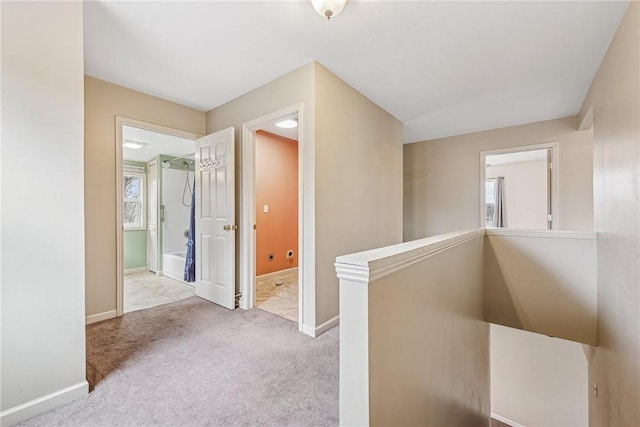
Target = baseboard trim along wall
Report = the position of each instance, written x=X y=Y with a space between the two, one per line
x=314 y=332
x=42 y=404
x=100 y=317
x=506 y=420
x=276 y=273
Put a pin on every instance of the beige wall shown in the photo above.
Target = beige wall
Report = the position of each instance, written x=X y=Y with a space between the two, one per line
x=103 y=102
x=358 y=181
x=293 y=88
x=352 y=165
x=545 y=282
x=525 y=193
x=414 y=349
x=441 y=177
x=42 y=227
x=542 y=281
x=549 y=390
x=615 y=98
x=431 y=314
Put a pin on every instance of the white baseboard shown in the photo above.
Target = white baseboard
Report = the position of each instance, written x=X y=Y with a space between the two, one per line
x=275 y=273
x=100 y=317
x=42 y=404
x=135 y=270
x=506 y=420
x=314 y=332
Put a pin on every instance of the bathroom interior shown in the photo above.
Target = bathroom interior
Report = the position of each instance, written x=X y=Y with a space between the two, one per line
x=158 y=182
x=277 y=280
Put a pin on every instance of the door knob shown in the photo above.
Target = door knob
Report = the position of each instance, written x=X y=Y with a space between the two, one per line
x=230 y=227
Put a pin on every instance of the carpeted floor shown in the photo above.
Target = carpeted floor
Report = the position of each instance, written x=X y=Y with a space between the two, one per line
x=192 y=363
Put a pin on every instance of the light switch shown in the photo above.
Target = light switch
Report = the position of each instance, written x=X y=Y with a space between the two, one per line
x=266 y=208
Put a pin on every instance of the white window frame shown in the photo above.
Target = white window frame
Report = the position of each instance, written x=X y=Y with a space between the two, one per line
x=128 y=171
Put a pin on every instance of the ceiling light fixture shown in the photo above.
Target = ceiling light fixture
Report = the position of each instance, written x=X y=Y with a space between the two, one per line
x=287 y=123
x=133 y=144
x=328 y=8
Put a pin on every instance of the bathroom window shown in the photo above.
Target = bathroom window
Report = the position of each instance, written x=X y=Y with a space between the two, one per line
x=133 y=208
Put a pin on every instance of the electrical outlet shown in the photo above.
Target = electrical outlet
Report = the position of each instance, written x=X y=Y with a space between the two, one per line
x=271 y=257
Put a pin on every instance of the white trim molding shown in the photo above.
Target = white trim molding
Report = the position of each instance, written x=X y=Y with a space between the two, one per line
x=368 y=266
x=45 y=403
x=276 y=273
x=566 y=234
x=95 y=318
x=506 y=420
x=314 y=332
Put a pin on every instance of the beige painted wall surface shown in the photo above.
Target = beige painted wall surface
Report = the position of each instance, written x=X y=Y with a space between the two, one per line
x=542 y=284
x=293 y=88
x=103 y=102
x=615 y=97
x=42 y=313
x=525 y=188
x=428 y=343
x=441 y=177
x=358 y=181
x=549 y=390
x=349 y=204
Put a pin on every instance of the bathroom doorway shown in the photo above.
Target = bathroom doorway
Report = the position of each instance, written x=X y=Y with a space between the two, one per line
x=156 y=183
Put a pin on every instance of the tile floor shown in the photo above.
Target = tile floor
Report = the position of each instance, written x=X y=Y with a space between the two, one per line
x=280 y=300
x=145 y=290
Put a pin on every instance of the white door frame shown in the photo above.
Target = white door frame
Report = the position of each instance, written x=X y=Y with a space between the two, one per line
x=555 y=177
x=120 y=122
x=248 y=208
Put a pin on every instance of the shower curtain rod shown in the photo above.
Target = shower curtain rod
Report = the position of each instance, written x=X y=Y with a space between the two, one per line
x=184 y=157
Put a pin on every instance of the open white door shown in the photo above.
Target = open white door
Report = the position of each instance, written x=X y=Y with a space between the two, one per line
x=215 y=218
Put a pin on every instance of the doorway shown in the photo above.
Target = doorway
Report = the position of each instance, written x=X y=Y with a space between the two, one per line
x=272 y=216
x=276 y=185
x=155 y=174
x=519 y=188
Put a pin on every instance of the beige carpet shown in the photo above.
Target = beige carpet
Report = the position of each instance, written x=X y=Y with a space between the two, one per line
x=192 y=363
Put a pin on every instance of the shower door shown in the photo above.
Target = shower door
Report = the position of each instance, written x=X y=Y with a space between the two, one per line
x=152 y=216
x=215 y=218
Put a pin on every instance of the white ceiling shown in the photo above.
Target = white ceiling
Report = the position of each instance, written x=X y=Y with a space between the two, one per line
x=442 y=68
x=155 y=143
